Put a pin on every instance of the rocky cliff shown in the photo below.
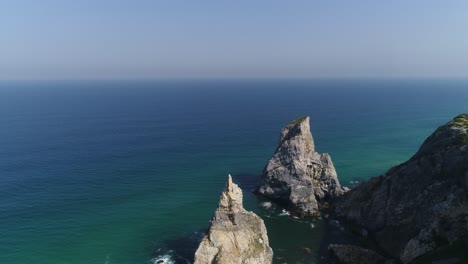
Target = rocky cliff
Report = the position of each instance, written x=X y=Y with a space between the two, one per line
x=296 y=175
x=235 y=236
x=418 y=210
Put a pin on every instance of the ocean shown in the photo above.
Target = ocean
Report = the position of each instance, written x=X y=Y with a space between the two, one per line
x=128 y=172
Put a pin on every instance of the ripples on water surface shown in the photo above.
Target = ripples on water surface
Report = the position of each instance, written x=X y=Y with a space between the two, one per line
x=126 y=172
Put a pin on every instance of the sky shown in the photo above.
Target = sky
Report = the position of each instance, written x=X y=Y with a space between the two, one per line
x=113 y=39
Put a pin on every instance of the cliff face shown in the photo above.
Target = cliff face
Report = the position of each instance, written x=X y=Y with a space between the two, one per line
x=235 y=235
x=296 y=175
x=417 y=209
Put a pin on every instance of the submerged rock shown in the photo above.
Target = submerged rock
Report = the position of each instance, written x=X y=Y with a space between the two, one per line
x=418 y=209
x=296 y=175
x=235 y=236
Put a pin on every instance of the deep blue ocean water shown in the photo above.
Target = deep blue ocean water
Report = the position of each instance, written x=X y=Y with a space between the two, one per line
x=124 y=172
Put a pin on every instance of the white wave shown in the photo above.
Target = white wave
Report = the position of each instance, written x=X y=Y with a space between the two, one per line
x=284 y=212
x=266 y=205
x=163 y=259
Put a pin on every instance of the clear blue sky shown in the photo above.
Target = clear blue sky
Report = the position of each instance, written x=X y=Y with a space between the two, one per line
x=74 y=39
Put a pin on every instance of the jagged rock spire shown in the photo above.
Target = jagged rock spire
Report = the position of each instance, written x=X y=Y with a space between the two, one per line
x=235 y=236
x=297 y=176
x=231 y=198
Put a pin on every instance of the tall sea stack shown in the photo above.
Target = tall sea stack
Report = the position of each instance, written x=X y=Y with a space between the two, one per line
x=417 y=212
x=296 y=175
x=235 y=236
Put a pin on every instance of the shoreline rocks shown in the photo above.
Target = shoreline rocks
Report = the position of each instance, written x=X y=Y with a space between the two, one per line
x=349 y=254
x=417 y=210
x=298 y=177
x=235 y=235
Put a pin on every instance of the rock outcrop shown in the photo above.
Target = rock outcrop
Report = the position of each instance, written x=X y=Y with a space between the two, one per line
x=235 y=236
x=296 y=175
x=347 y=254
x=418 y=210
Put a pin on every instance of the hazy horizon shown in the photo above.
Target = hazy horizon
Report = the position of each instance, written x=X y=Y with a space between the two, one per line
x=57 y=40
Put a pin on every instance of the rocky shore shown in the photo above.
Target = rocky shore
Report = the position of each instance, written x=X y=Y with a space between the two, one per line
x=416 y=212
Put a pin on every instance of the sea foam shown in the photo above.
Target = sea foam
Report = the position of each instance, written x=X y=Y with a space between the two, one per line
x=163 y=259
x=284 y=212
x=266 y=205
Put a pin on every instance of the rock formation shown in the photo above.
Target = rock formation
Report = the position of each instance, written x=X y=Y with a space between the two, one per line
x=235 y=236
x=297 y=176
x=347 y=254
x=418 y=210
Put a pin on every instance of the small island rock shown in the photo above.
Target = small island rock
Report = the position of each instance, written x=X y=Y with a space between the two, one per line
x=296 y=175
x=235 y=236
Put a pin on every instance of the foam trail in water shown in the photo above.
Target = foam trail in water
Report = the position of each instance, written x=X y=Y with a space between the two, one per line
x=163 y=259
x=284 y=212
x=266 y=205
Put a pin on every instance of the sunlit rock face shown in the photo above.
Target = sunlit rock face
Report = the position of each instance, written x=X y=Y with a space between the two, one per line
x=296 y=175
x=235 y=236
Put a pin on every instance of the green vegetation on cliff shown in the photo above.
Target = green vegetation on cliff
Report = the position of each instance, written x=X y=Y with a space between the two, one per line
x=299 y=120
x=460 y=121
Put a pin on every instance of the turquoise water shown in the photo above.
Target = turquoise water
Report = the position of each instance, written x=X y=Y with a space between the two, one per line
x=126 y=172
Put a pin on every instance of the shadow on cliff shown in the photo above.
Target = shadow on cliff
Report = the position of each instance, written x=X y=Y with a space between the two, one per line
x=334 y=233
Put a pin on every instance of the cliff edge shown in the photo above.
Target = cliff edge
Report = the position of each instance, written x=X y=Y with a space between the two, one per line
x=418 y=210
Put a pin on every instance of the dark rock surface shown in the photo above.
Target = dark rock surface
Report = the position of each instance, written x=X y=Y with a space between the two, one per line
x=296 y=175
x=420 y=207
x=347 y=254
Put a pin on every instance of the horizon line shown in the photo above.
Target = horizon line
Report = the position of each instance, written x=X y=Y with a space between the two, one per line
x=239 y=78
